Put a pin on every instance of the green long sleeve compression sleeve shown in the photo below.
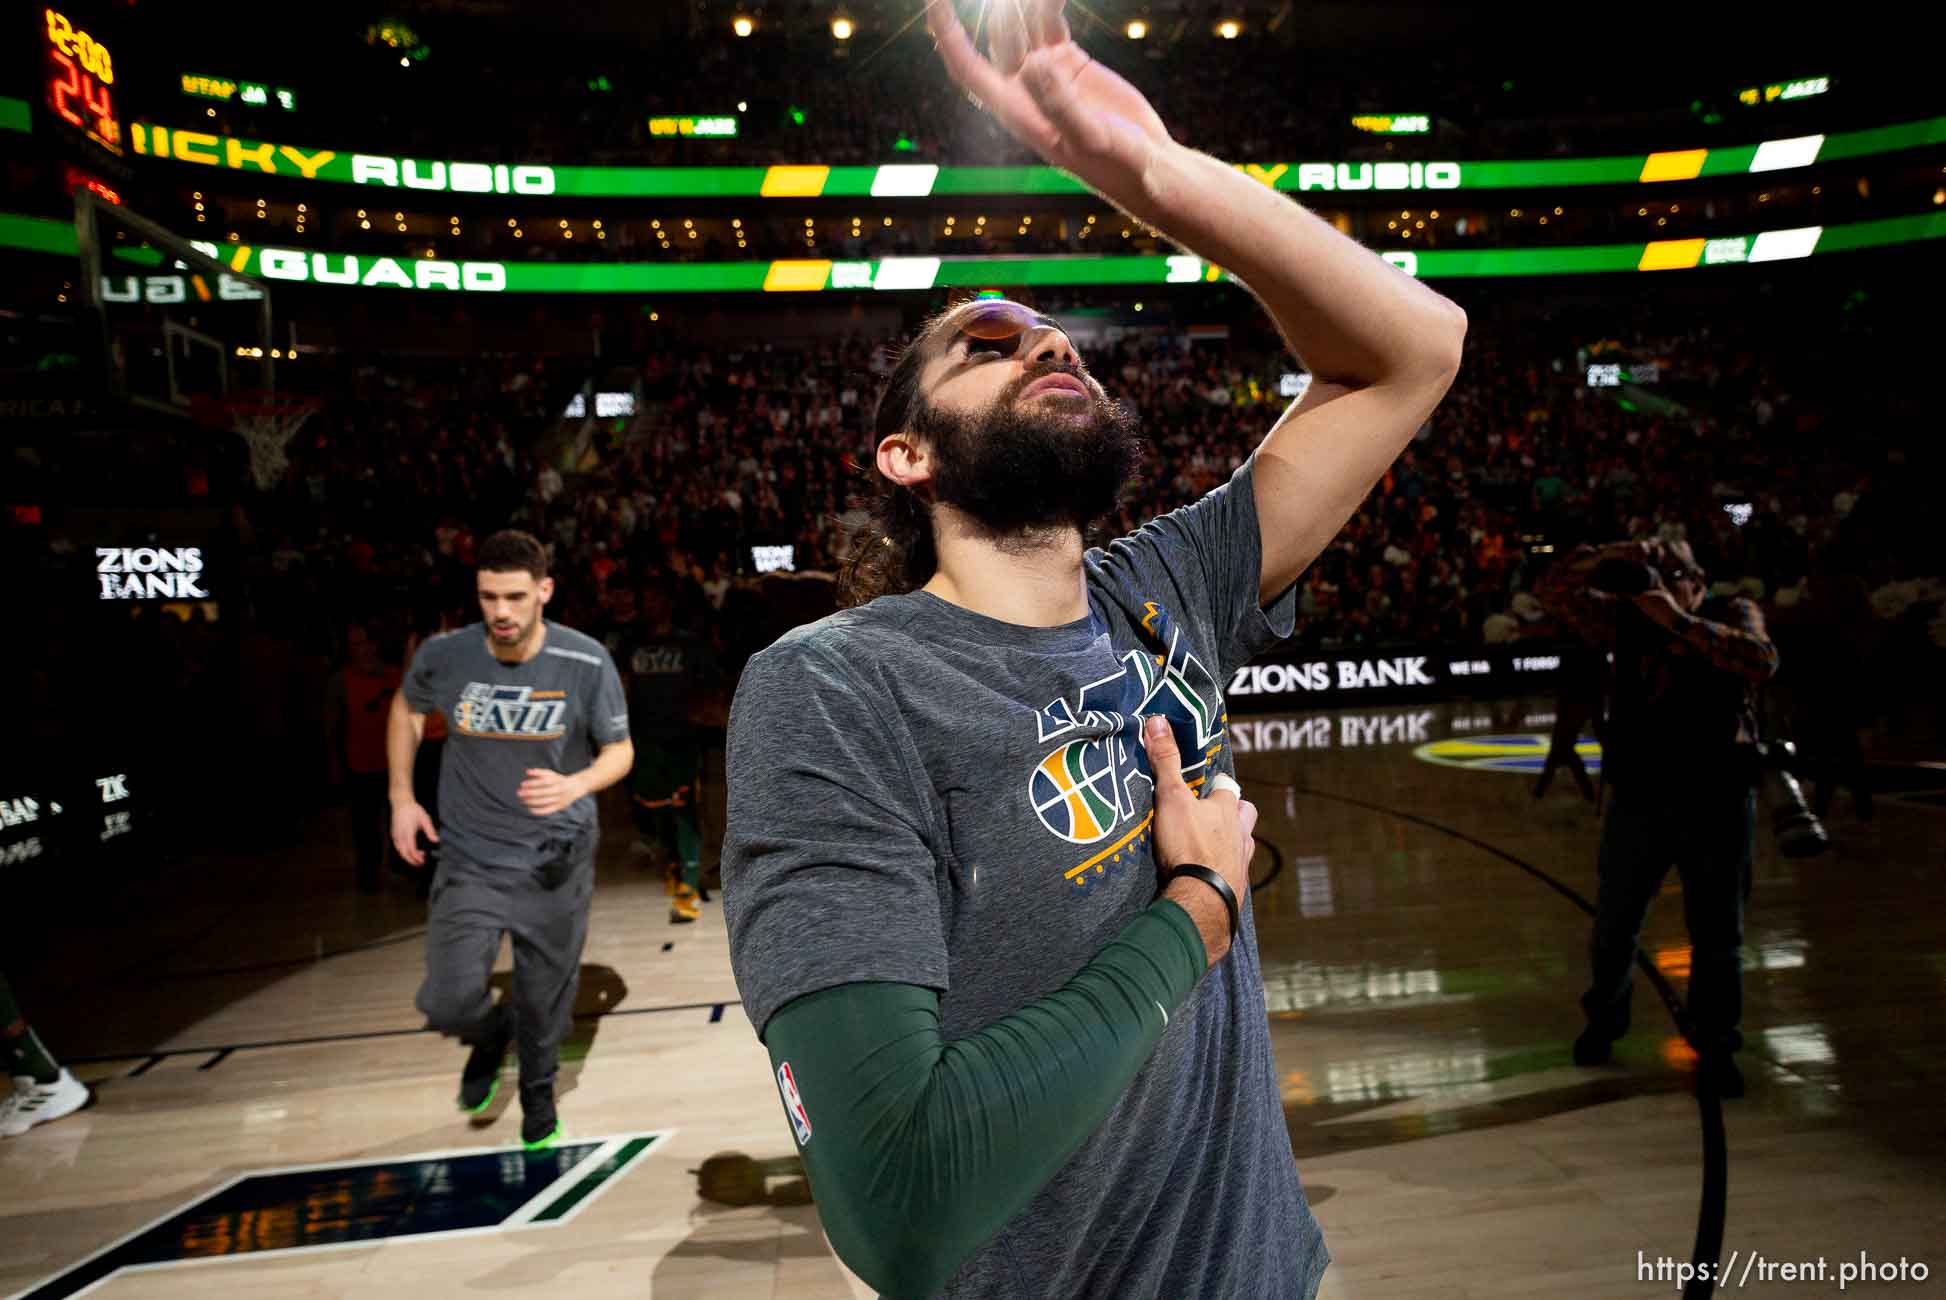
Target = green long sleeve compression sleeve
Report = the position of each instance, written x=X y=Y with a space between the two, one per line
x=920 y=1148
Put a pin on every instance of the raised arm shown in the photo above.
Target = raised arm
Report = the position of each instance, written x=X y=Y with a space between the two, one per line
x=1740 y=645
x=1382 y=348
x=1564 y=592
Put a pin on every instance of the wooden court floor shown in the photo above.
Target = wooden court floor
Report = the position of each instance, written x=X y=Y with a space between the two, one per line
x=253 y=1016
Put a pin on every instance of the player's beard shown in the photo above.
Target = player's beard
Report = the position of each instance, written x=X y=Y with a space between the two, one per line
x=1020 y=468
x=519 y=636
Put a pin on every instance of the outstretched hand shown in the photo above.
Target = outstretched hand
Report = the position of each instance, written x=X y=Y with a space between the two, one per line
x=1053 y=98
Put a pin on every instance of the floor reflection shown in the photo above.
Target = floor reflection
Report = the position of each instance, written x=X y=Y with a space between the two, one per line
x=1411 y=966
x=1305 y=987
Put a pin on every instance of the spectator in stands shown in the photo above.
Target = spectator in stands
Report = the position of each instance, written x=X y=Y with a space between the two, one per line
x=358 y=700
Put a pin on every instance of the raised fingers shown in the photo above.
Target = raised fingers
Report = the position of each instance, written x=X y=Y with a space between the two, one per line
x=963 y=63
x=1008 y=37
x=1048 y=22
x=970 y=71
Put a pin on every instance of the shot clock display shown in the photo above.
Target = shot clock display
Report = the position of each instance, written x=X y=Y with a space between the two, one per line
x=80 y=80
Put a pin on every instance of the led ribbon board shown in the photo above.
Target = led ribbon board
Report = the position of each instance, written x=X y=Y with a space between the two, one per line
x=721 y=127
x=301 y=266
x=196 y=85
x=1803 y=88
x=1393 y=123
x=917 y=180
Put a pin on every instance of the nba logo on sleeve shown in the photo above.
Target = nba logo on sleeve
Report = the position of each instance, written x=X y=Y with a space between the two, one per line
x=787 y=1084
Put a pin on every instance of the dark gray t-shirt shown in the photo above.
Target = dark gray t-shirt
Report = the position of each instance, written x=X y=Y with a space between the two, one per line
x=554 y=711
x=923 y=795
x=665 y=670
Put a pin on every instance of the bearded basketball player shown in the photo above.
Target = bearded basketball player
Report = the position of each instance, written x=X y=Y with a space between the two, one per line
x=985 y=875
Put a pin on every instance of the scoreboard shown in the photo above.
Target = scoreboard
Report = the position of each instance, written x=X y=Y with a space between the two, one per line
x=80 y=75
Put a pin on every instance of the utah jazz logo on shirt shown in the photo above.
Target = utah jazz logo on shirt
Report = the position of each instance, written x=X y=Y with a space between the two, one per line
x=1089 y=787
x=656 y=661
x=511 y=712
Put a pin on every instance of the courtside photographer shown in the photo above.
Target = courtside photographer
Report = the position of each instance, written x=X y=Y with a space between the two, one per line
x=1682 y=755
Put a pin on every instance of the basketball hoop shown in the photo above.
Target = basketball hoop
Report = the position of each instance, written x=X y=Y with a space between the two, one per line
x=267 y=423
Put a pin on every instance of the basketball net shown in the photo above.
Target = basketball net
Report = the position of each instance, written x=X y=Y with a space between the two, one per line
x=267 y=426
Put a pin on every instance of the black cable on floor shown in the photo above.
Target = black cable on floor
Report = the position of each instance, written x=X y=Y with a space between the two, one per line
x=1711 y=1208
x=1276 y=866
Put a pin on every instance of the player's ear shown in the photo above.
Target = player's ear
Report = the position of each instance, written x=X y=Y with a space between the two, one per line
x=546 y=590
x=904 y=459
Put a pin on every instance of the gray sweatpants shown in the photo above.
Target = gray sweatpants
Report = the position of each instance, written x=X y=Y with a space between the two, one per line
x=545 y=908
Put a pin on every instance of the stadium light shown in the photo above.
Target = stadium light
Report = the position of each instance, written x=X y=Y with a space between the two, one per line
x=1137 y=30
x=841 y=28
x=742 y=25
x=1229 y=29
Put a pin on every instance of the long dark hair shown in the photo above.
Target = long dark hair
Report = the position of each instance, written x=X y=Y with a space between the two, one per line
x=892 y=551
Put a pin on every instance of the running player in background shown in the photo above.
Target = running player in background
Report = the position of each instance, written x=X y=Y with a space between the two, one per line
x=529 y=703
x=666 y=671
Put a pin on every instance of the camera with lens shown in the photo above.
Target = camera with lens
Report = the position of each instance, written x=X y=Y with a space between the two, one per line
x=1771 y=763
x=1797 y=829
x=1618 y=577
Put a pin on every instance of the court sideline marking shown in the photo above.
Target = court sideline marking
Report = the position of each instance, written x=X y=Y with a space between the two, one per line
x=220 y=1050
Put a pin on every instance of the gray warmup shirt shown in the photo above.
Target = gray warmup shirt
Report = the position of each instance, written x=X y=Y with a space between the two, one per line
x=554 y=711
x=919 y=794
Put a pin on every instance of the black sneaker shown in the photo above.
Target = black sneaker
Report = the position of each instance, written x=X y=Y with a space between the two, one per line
x=540 y=1126
x=1593 y=1048
x=480 y=1080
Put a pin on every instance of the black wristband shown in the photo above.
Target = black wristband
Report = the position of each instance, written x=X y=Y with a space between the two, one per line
x=1214 y=881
